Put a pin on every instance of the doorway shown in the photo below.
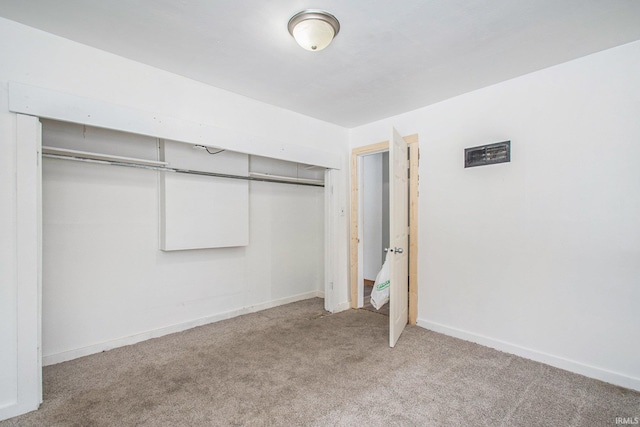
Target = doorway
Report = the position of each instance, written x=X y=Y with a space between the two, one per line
x=357 y=240
x=374 y=221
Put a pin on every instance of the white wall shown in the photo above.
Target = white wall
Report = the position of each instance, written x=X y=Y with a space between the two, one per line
x=372 y=214
x=385 y=200
x=39 y=59
x=540 y=256
x=43 y=60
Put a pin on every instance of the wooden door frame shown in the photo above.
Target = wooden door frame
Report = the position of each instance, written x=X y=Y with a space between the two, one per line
x=414 y=156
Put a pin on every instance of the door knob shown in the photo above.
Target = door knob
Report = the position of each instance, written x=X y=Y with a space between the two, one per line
x=396 y=250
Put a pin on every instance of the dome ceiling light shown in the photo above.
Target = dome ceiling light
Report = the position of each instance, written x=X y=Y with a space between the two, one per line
x=313 y=29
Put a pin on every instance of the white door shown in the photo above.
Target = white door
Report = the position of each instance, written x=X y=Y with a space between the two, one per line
x=398 y=236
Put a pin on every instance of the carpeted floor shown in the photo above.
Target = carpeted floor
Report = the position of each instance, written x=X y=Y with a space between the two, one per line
x=296 y=365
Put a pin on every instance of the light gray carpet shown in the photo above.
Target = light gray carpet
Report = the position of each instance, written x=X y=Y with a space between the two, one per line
x=297 y=365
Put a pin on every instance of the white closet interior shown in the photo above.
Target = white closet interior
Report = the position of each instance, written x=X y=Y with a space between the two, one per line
x=106 y=281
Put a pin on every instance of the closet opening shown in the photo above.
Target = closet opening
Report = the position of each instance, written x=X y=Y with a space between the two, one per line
x=145 y=236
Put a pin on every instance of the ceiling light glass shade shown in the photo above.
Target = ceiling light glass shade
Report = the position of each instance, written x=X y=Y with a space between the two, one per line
x=313 y=29
x=313 y=34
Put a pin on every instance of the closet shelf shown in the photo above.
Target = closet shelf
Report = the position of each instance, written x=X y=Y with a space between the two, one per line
x=99 y=156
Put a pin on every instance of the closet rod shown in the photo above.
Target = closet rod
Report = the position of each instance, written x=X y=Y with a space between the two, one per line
x=177 y=170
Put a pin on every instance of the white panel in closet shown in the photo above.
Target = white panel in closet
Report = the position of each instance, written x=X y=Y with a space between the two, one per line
x=200 y=212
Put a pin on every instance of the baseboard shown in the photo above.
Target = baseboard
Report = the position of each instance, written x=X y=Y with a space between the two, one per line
x=13 y=409
x=52 y=359
x=538 y=356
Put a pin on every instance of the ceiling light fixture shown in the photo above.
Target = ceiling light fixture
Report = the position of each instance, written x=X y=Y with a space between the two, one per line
x=313 y=29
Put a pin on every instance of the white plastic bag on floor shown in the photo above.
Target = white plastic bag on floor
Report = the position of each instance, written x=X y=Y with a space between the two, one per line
x=380 y=292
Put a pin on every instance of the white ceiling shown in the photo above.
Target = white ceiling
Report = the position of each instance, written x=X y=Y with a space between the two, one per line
x=389 y=57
